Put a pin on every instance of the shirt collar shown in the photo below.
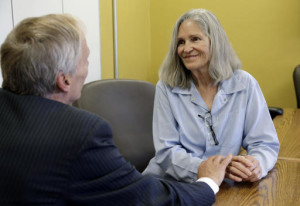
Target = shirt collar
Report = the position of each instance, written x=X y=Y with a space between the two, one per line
x=234 y=84
x=195 y=97
x=229 y=86
x=182 y=91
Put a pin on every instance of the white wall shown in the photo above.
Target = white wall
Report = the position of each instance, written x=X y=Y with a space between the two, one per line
x=13 y=11
x=6 y=22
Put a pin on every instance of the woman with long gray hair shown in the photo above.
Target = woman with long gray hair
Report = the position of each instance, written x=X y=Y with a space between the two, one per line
x=205 y=105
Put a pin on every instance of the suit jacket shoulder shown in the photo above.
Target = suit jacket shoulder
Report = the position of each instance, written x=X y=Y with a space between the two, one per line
x=39 y=141
x=54 y=154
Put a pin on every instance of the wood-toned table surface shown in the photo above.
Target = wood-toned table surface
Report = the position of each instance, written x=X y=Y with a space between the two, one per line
x=288 y=130
x=281 y=187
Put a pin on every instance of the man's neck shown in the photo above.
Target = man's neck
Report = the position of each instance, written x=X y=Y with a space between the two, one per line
x=59 y=97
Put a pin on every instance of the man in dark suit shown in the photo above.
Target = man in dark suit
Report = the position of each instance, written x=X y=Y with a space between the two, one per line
x=54 y=154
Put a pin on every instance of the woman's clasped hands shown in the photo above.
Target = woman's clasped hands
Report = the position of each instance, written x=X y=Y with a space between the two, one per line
x=243 y=168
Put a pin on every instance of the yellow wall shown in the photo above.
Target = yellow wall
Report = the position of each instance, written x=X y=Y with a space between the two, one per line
x=265 y=35
x=133 y=38
x=106 y=27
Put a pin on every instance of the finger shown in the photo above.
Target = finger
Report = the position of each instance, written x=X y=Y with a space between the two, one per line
x=218 y=158
x=254 y=161
x=211 y=158
x=237 y=172
x=241 y=167
x=250 y=158
x=225 y=162
x=252 y=179
x=233 y=177
x=256 y=174
x=244 y=160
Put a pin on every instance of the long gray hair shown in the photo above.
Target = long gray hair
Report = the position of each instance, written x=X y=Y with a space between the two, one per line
x=223 y=60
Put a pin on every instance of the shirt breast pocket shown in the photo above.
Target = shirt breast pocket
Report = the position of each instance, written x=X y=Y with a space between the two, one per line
x=229 y=128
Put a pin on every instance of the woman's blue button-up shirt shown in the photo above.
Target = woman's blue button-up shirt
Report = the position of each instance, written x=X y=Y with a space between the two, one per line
x=182 y=133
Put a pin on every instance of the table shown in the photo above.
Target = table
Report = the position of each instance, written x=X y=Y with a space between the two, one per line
x=288 y=130
x=281 y=187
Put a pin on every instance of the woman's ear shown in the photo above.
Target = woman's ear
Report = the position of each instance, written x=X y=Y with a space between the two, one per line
x=63 y=82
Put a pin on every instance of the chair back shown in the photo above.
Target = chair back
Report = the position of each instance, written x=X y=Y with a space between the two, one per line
x=128 y=106
x=296 y=78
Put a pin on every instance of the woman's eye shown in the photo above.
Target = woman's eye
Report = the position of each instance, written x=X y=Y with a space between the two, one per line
x=180 y=42
x=196 y=39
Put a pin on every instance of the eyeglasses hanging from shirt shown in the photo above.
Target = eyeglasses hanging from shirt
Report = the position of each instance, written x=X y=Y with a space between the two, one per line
x=207 y=118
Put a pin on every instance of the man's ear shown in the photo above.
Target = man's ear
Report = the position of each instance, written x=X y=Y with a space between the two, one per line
x=63 y=82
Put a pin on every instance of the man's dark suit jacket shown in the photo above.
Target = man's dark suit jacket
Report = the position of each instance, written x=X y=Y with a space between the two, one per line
x=54 y=154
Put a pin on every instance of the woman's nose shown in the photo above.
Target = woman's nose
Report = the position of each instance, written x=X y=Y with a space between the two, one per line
x=187 y=48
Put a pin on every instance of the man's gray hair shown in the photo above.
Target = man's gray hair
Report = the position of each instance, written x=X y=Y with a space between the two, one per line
x=37 y=49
